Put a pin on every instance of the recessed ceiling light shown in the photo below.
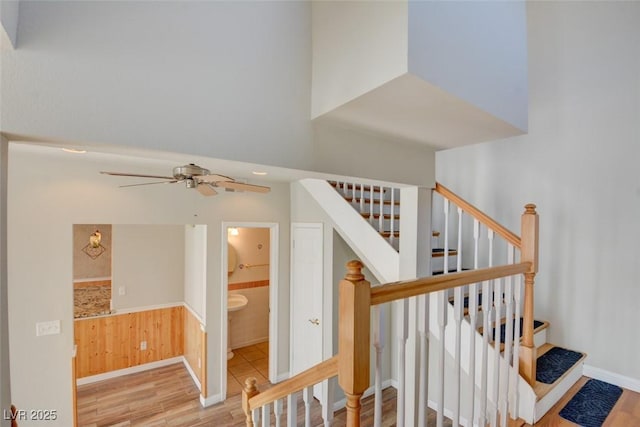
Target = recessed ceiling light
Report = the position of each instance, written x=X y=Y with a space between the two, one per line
x=74 y=151
x=261 y=173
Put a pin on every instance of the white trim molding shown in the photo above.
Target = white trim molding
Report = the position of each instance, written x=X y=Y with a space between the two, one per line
x=131 y=370
x=632 y=384
x=211 y=400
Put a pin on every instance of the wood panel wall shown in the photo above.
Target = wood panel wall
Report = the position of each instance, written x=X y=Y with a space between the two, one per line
x=195 y=348
x=113 y=342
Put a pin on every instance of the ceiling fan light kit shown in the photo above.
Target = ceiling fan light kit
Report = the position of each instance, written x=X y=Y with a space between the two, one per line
x=196 y=177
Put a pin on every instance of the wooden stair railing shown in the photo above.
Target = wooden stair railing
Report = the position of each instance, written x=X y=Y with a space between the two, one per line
x=352 y=364
x=253 y=399
x=527 y=244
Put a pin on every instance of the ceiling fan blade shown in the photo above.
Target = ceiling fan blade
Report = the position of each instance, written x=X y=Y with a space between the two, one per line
x=206 y=189
x=243 y=187
x=173 y=181
x=212 y=178
x=135 y=175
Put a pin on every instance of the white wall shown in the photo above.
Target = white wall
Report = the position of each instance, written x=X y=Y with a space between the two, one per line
x=66 y=189
x=252 y=247
x=5 y=389
x=195 y=268
x=474 y=50
x=9 y=20
x=357 y=46
x=250 y=325
x=222 y=79
x=341 y=150
x=148 y=261
x=579 y=165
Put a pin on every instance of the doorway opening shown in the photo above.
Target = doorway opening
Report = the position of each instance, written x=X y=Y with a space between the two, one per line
x=250 y=283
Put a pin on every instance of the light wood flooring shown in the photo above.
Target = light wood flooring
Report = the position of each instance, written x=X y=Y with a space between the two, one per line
x=626 y=412
x=167 y=396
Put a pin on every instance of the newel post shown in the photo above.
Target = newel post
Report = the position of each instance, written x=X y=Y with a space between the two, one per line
x=353 y=340
x=250 y=389
x=529 y=253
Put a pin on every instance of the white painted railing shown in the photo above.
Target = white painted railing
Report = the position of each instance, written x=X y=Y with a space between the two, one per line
x=379 y=205
x=469 y=378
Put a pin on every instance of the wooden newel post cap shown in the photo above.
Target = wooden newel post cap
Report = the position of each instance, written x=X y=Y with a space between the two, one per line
x=250 y=385
x=530 y=209
x=354 y=271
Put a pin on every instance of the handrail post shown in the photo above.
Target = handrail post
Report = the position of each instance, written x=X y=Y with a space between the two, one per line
x=353 y=341
x=529 y=253
x=250 y=389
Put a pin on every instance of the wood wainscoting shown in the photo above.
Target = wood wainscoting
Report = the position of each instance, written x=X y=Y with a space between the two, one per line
x=195 y=348
x=113 y=342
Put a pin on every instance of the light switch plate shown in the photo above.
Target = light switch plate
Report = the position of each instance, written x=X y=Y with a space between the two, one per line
x=122 y=291
x=51 y=327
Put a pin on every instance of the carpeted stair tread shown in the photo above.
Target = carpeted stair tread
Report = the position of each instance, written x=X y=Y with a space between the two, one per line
x=554 y=363
x=503 y=329
x=591 y=404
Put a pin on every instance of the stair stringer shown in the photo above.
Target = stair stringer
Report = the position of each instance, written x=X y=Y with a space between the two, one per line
x=375 y=252
x=526 y=397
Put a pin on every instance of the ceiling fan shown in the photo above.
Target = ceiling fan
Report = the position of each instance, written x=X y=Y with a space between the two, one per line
x=196 y=177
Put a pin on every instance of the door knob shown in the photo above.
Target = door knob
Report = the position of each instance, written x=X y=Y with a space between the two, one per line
x=314 y=321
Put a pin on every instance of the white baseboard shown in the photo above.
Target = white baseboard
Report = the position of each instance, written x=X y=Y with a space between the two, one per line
x=127 y=371
x=250 y=342
x=632 y=384
x=211 y=400
x=194 y=377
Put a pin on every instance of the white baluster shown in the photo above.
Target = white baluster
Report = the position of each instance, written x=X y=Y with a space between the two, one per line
x=392 y=212
x=458 y=312
x=255 y=414
x=442 y=300
x=497 y=304
x=277 y=411
x=292 y=409
x=486 y=331
x=266 y=417
x=446 y=237
x=490 y=235
x=327 y=398
x=381 y=217
x=508 y=342
x=423 y=328
x=473 y=320
x=307 y=397
x=517 y=296
x=371 y=203
x=361 y=198
x=403 y=308
x=378 y=343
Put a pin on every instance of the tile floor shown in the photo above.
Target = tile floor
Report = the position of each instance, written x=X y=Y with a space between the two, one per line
x=251 y=361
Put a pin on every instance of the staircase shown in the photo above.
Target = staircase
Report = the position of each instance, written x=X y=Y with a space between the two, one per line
x=508 y=376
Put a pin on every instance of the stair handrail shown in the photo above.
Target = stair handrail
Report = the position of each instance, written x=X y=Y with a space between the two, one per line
x=411 y=288
x=253 y=399
x=527 y=243
x=485 y=219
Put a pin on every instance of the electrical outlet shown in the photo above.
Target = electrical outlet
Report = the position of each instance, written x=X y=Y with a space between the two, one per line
x=143 y=345
x=122 y=291
x=48 y=328
x=199 y=363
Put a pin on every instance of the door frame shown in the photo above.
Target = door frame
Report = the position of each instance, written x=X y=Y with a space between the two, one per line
x=274 y=259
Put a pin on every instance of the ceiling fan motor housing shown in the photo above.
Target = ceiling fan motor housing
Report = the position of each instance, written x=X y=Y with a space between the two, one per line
x=188 y=172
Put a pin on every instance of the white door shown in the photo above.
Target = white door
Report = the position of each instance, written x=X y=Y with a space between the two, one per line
x=306 y=296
